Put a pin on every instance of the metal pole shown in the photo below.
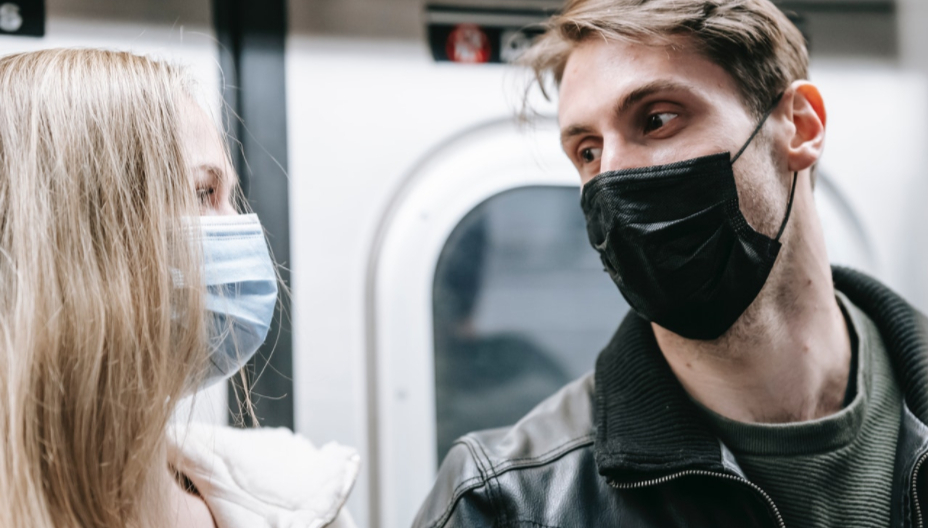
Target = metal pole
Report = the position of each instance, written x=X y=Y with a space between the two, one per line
x=252 y=36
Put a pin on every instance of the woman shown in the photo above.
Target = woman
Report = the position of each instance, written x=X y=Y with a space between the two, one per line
x=127 y=282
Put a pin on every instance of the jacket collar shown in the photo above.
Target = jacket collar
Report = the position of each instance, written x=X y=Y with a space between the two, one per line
x=647 y=426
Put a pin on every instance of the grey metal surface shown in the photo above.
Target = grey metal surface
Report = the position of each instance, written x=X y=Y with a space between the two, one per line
x=252 y=36
x=837 y=28
x=170 y=12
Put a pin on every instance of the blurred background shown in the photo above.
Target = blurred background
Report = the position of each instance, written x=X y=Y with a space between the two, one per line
x=440 y=272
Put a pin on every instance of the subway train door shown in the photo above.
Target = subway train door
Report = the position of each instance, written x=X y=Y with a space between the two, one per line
x=484 y=296
x=486 y=299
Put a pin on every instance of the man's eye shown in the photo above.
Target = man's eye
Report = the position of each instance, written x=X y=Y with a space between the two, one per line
x=589 y=155
x=656 y=121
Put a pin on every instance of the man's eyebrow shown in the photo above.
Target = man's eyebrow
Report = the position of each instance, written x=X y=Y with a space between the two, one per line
x=649 y=89
x=627 y=102
x=574 y=130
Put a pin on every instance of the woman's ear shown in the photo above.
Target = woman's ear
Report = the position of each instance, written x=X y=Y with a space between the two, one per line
x=807 y=111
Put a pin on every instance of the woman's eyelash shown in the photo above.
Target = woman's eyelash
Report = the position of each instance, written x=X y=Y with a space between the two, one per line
x=204 y=193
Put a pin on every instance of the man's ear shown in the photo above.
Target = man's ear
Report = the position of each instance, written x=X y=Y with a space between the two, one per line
x=807 y=112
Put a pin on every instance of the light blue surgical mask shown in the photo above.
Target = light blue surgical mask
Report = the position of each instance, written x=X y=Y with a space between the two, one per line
x=241 y=291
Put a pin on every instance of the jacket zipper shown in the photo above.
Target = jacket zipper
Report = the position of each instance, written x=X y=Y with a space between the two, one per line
x=917 y=506
x=703 y=473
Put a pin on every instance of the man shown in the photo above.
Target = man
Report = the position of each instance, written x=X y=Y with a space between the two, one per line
x=752 y=385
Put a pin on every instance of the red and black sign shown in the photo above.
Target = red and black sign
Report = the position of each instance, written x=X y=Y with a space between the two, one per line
x=468 y=43
x=470 y=35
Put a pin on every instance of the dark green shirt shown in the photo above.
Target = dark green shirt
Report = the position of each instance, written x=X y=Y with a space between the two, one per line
x=837 y=470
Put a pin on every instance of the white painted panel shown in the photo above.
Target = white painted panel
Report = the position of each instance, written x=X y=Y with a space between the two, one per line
x=876 y=151
x=361 y=114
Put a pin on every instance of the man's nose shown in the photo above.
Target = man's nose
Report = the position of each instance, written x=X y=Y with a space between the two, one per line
x=619 y=154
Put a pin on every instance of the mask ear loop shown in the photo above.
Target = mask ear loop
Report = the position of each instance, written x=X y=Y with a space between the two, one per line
x=792 y=191
x=760 y=126
x=789 y=207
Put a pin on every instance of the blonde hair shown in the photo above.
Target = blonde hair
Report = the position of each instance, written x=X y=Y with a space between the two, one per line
x=751 y=39
x=98 y=342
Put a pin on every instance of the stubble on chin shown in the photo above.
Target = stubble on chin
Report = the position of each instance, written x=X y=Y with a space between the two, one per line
x=763 y=199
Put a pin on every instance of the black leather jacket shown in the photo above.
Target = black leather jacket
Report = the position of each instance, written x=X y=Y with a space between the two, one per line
x=624 y=447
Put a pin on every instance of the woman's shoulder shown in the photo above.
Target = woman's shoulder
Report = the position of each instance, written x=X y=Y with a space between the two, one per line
x=265 y=477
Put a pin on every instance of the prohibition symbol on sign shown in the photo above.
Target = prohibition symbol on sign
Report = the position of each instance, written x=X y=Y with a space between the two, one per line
x=469 y=44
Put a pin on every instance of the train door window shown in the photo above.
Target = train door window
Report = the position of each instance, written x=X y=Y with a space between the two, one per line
x=521 y=306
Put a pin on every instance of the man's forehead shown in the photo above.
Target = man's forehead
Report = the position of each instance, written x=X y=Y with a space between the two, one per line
x=663 y=53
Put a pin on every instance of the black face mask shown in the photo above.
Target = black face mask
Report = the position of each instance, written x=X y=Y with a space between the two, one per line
x=673 y=239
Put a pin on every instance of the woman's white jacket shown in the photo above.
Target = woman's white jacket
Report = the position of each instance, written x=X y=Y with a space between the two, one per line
x=265 y=478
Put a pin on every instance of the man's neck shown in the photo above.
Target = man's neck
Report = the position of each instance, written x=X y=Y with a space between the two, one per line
x=787 y=359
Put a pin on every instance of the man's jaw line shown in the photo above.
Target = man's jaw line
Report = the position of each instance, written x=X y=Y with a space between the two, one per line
x=787 y=357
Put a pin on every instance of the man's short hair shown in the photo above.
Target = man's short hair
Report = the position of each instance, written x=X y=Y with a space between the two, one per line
x=762 y=50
